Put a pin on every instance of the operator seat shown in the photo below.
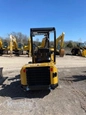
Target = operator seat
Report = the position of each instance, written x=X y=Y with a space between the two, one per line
x=43 y=55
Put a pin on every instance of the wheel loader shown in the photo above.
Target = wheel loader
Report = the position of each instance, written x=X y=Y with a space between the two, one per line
x=80 y=50
x=41 y=72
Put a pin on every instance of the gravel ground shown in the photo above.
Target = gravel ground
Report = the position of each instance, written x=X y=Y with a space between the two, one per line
x=69 y=98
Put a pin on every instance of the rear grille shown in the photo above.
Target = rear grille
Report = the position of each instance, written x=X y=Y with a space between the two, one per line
x=38 y=76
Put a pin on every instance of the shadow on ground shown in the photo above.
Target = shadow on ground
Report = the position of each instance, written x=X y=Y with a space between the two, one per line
x=2 y=79
x=79 y=78
x=74 y=78
x=84 y=71
x=14 y=90
x=68 y=54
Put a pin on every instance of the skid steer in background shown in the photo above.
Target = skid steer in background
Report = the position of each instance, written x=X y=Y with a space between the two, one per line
x=41 y=72
x=16 y=48
x=59 y=45
x=80 y=50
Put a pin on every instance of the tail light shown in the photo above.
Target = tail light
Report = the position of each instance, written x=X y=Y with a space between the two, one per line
x=51 y=69
x=24 y=70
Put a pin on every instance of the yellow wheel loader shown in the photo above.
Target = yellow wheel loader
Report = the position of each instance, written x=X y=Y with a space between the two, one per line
x=80 y=50
x=41 y=72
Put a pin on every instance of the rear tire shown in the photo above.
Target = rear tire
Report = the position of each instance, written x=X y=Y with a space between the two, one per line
x=73 y=52
x=79 y=53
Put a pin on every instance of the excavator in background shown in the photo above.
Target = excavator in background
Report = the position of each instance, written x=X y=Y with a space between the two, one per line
x=27 y=47
x=43 y=43
x=16 y=48
x=80 y=50
x=3 y=47
x=41 y=72
x=59 y=45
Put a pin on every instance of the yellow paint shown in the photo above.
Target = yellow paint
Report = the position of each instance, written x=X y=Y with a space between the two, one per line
x=84 y=53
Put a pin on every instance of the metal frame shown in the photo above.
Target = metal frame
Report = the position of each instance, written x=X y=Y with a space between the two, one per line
x=39 y=31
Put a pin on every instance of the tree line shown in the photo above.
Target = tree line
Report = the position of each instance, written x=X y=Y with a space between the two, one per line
x=22 y=38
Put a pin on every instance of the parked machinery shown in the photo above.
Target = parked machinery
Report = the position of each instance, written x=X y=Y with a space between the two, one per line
x=79 y=50
x=27 y=47
x=41 y=72
x=43 y=43
x=59 y=45
x=16 y=48
x=3 y=47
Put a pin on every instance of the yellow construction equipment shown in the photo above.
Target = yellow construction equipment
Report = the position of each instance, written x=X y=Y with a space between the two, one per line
x=27 y=47
x=3 y=47
x=41 y=72
x=79 y=50
x=59 y=45
x=43 y=43
x=15 y=47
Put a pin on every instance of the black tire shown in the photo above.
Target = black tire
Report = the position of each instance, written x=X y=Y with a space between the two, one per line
x=79 y=53
x=1 y=52
x=73 y=52
x=29 y=62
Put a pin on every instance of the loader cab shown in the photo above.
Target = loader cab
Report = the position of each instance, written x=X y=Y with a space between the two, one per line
x=42 y=54
x=5 y=44
x=20 y=45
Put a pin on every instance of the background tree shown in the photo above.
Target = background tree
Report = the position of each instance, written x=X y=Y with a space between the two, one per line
x=20 y=37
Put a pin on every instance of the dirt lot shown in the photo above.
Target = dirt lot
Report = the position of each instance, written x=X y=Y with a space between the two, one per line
x=69 y=98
